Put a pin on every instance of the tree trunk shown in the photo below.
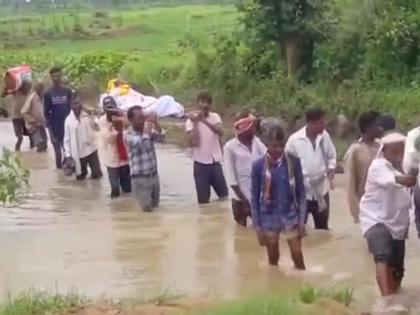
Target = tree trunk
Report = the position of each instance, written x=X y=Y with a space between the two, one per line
x=293 y=54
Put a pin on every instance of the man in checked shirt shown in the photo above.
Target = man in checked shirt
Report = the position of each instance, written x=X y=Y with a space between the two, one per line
x=139 y=138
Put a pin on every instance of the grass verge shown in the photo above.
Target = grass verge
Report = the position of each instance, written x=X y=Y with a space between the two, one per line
x=38 y=303
x=308 y=302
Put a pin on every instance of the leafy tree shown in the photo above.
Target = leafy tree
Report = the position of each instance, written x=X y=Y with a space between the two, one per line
x=289 y=23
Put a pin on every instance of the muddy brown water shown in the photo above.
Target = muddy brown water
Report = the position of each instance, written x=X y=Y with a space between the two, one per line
x=69 y=235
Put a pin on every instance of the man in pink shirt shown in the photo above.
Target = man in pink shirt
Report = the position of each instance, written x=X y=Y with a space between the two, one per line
x=204 y=130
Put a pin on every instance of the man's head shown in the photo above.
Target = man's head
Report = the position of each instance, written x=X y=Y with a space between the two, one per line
x=393 y=144
x=369 y=125
x=274 y=138
x=25 y=87
x=56 y=75
x=204 y=102
x=109 y=103
x=110 y=106
x=76 y=106
x=315 y=121
x=136 y=117
x=245 y=126
x=388 y=122
x=39 y=88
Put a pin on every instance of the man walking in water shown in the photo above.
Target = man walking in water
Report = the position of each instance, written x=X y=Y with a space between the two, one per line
x=115 y=153
x=33 y=113
x=278 y=199
x=57 y=101
x=359 y=158
x=313 y=146
x=140 y=138
x=19 y=98
x=80 y=141
x=204 y=130
x=239 y=154
x=411 y=166
x=384 y=212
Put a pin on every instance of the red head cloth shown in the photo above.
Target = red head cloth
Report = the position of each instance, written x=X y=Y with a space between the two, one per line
x=244 y=124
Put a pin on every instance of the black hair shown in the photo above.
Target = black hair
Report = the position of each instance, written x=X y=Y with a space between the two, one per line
x=55 y=70
x=366 y=120
x=387 y=122
x=314 y=114
x=132 y=110
x=109 y=99
x=272 y=133
x=205 y=97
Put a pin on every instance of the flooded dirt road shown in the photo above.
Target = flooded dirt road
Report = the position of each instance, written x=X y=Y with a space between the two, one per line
x=69 y=234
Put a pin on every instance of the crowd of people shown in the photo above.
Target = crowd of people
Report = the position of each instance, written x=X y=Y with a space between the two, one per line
x=276 y=181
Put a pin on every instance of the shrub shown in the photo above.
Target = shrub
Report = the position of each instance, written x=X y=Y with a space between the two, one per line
x=14 y=178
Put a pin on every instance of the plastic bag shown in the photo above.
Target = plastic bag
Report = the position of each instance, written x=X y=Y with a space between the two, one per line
x=68 y=166
x=14 y=77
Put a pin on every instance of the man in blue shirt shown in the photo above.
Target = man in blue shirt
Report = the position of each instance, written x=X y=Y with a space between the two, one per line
x=278 y=199
x=57 y=101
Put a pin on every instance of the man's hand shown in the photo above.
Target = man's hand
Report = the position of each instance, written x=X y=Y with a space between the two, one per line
x=331 y=178
x=4 y=92
x=152 y=117
x=118 y=123
x=406 y=180
x=195 y=116
x=302 y=231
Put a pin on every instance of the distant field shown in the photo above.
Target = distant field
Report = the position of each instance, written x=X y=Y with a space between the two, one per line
x=142 y=29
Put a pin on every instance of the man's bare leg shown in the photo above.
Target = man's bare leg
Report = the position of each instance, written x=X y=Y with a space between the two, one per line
x=295 y=246
x=385 y=278
x=18 y=143
x=273 y=249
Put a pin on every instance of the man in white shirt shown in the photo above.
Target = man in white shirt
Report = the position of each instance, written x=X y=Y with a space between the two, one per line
x=239 y=153
x=411 y=166
x=384 y=212
x=80 y=141
x=313 y=146
x=204 y=130
x=114 y=151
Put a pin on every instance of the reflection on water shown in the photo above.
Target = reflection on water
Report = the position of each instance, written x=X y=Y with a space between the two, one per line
x=69 y=234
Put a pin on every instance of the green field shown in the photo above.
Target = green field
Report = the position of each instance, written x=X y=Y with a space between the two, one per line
x=140 y=44
x=141 y=29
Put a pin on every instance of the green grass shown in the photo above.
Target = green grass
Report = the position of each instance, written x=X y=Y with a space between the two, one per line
x=256 y=305
x=273 y=304
x=39 y=303
x=308 y=295
x=137 y=29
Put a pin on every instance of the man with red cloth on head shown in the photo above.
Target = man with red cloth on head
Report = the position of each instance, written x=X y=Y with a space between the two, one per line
x=239 y=153
x=115 y=154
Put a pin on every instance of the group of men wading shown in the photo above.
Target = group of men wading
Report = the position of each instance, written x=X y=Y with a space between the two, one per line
x=276 y=181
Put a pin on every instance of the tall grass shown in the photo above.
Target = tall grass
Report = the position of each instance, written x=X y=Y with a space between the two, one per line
x=39 y=303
